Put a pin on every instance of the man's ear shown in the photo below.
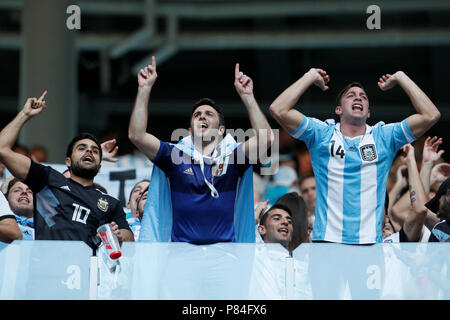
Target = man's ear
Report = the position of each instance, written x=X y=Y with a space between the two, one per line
x=338 y=110
x=262 y=230
x=68 y=162
x=221 y=130
x=190 y=131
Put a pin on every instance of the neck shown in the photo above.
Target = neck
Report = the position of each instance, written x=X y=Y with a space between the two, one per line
x=353 y=130
x=26 y=213
x=83 y=181
x=205 y=147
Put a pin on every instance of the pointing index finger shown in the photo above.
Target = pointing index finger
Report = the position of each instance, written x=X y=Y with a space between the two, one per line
x=236 y=70
x=43 y=96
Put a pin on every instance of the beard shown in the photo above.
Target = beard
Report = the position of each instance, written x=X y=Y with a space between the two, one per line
x=24 y=212
x=79 y=170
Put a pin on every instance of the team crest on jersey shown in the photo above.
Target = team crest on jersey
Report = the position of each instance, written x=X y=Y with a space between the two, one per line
x=220 y=168
x=368 y=152
x=103 y=204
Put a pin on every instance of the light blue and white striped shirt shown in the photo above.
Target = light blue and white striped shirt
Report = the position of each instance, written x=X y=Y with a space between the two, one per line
x=351 y=175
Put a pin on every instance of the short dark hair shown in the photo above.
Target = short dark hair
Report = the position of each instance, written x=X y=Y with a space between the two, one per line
x=81 y=136
x=209 y=102
x=345 y=89
x=10 y=185
x=274 y=207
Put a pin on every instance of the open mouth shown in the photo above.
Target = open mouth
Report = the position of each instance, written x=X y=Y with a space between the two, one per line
x=357 y=106
x=23 y=200
x=203 y=126
x=283 y=231
x=88 y=159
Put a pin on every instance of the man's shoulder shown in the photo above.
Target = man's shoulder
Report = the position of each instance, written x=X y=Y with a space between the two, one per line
x=100 y=194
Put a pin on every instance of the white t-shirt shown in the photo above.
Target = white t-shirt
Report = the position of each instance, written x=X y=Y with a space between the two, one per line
x=5 y=210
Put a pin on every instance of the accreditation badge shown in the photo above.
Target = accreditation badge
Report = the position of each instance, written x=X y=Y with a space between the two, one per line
x=220 y=167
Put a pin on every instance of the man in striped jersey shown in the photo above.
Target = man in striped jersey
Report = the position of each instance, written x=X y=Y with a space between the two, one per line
x=351 y=159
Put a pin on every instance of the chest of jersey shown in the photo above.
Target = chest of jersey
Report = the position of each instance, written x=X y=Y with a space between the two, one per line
x=69 y=203
x=188 y=177
x=354 y=152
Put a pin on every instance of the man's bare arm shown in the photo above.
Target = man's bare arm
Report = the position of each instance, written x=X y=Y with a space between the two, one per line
x=17 y=163
x=263 y=132
x=9 y=230
x=137 y=130
x=282 y=109
x=427 y=113
x=413 y=224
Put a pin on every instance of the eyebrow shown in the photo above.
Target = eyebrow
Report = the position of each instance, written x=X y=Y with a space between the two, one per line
x=278 y=215
x=86 y=145
x=206 y=111
x=354 y=92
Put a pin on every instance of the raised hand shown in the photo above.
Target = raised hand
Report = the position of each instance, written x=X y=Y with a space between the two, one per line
x=147 y=76
x=109 y=150
x=259 y=210
x=388 y=81
x=440 y=173
x=321 y=78
x=408 y=149
x=242 y=82
x=430 y=149
x=35 y=106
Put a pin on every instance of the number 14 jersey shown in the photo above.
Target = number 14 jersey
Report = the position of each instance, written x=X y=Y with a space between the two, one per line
x=351 y=176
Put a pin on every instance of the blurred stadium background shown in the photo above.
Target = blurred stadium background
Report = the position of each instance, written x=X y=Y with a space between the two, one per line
x=90 y=73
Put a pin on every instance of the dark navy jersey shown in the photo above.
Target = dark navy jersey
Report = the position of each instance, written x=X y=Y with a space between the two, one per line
x=440 y=232
x=65 y=210
x=197 y=216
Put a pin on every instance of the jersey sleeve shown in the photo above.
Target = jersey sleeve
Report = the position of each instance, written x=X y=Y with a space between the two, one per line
x=310 y=131
x=164 y=159
x=119 y=217
x=37 y=176
x=397 y=135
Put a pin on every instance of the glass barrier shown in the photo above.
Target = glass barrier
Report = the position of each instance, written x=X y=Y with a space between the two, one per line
x=55 y=270
x=182 y=271
x=225 y=271
x=381 y=271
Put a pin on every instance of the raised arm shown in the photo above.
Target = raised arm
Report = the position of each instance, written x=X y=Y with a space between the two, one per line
x=400 y=183
x=263 y=133
x=427 y=113
x=137 y=130
x=430 y=155
x=413 y=224
x=17 y=163
x=282 y=109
